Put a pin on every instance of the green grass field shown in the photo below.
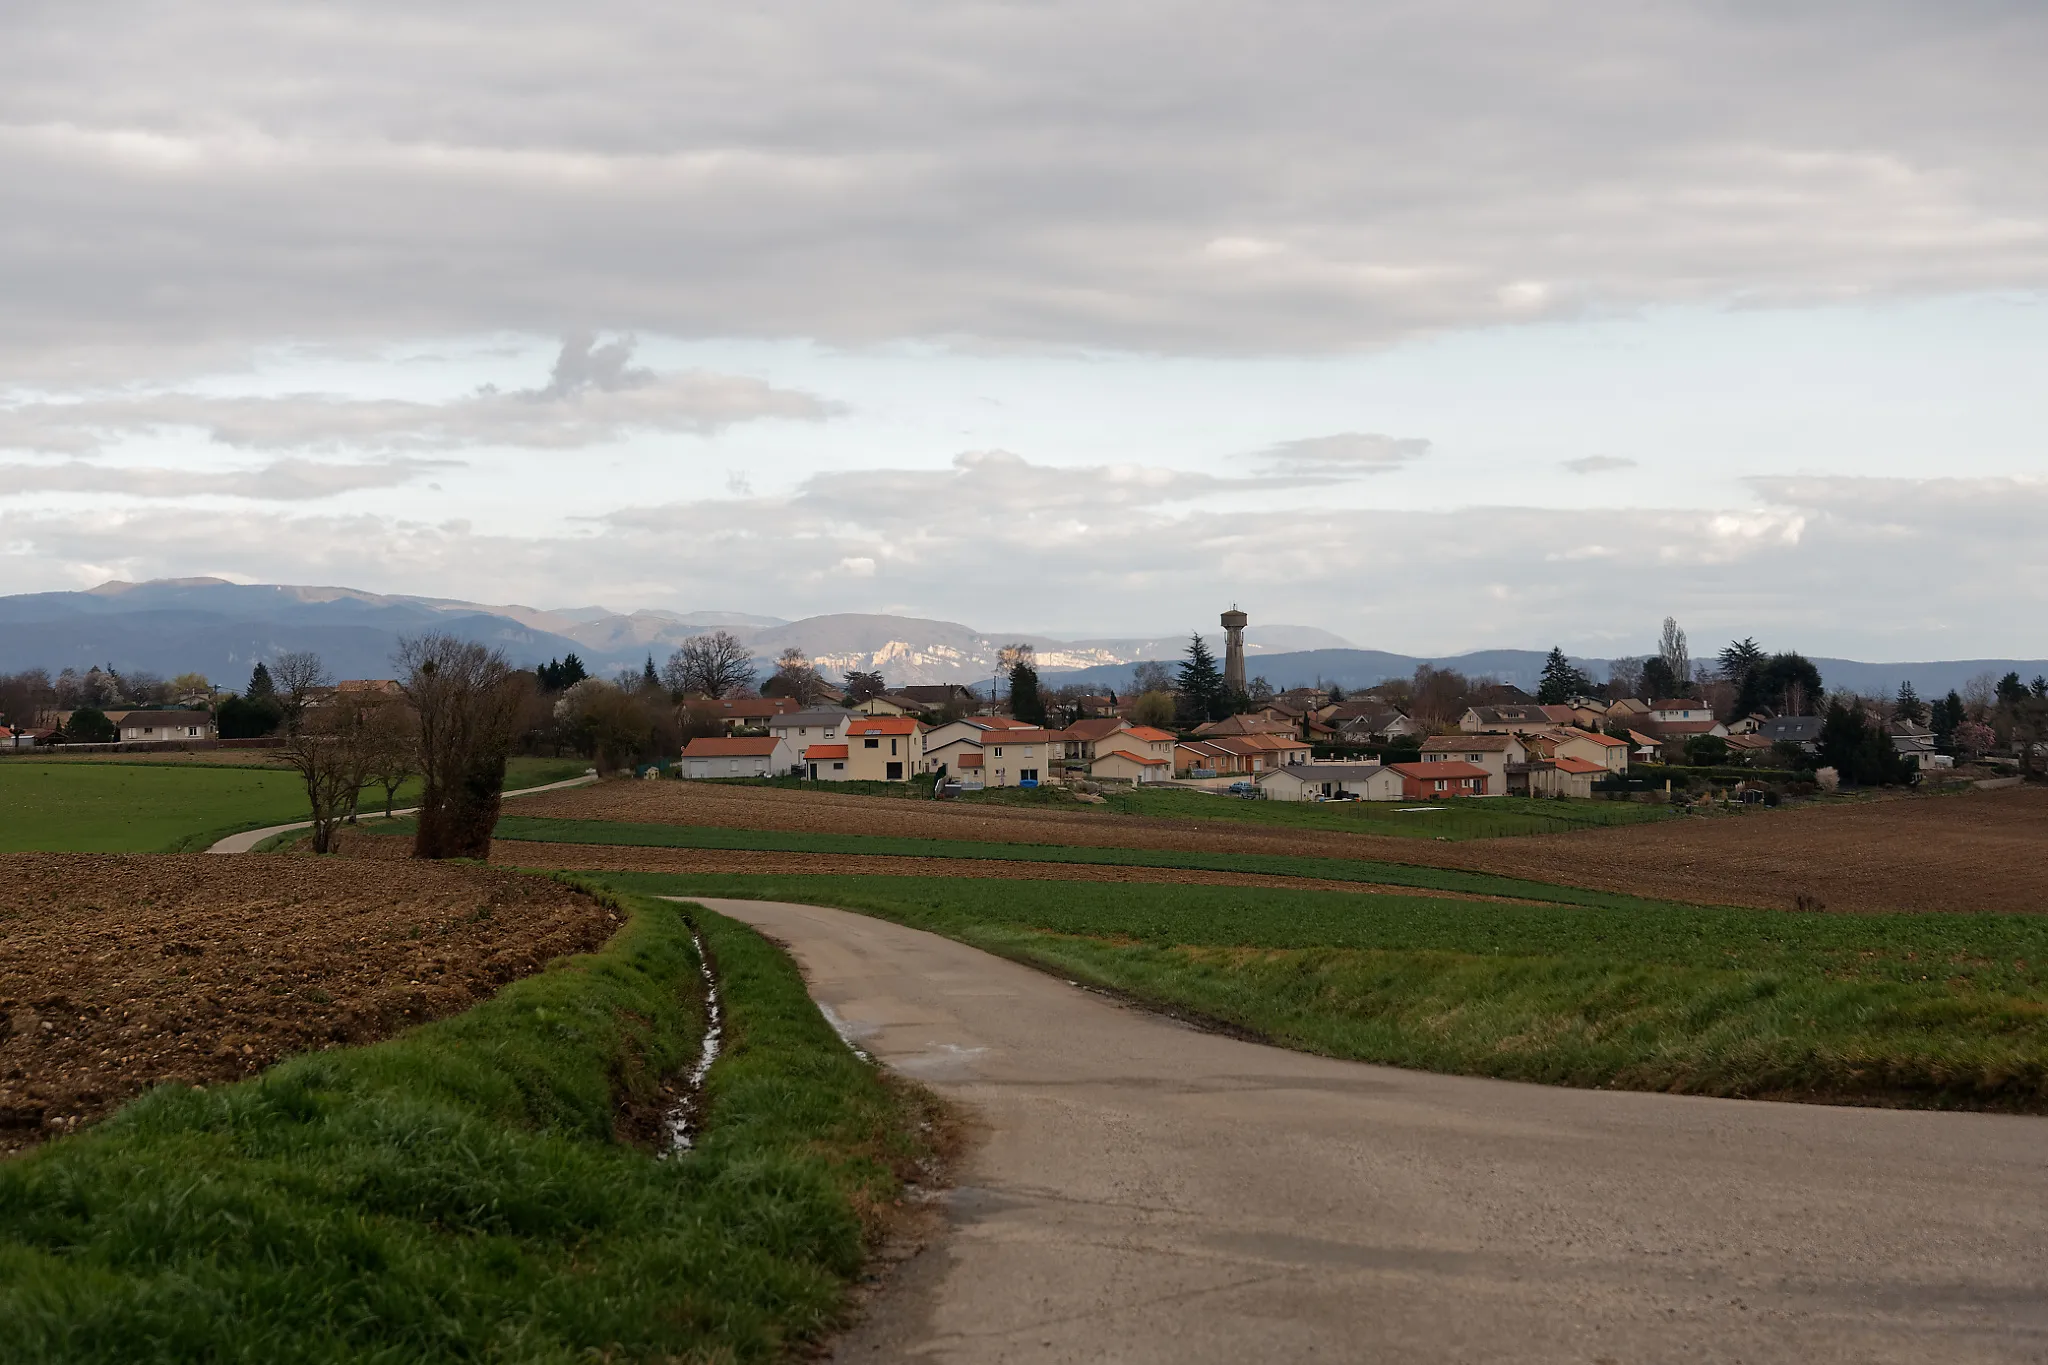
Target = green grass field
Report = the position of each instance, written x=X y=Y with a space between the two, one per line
x=146 y=807
x=459 y=1194
x=1915 y=1009
x=1272 y=865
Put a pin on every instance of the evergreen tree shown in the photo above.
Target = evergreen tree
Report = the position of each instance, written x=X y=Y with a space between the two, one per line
x=2011 y=691
x=1026 y=701
x=89 y=725
x=572 y=672
x=1658 y=680
x=1907 y=705
x=1202 y=694
x=1859 y=751
x=260 y=684
x=1948 y=713
x=1561 y=681
x=650 y=681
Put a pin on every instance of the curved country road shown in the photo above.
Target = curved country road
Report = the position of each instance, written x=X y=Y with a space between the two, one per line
x=1145 y=1192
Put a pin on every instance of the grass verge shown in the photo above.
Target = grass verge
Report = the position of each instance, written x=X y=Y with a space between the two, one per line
x=1887 y=1009
x=462 y=1192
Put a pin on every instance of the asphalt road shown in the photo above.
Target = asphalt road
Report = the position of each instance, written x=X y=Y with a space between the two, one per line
x=1145 y=1192
x=246 y=841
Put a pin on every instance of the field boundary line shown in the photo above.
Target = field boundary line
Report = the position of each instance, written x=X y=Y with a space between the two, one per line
x=246 y=841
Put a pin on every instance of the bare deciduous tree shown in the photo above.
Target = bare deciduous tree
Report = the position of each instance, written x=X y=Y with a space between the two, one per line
x=470 y=703
x=1671 y=648
x=1152 y=675
x=297 y=675
x=796 y=679
x=330 y=749
x=393 y=737
x=711 y=665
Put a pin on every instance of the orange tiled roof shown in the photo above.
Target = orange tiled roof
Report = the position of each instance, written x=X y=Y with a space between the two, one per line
x=818 y=751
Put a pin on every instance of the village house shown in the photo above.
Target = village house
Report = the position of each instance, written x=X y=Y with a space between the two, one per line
x=163 y=727
x=1324 y=781
x=1434 y=781
x=1495 y=753
x=1512 y=719
x=1127 y=765
x=1375 y=724
x=819 y=724
x=1201 y=758
x=1567 y=776
x=1680 y=711
x=1266 y=722
x=945 y=746
x=743 y=713
x=1022 y=758
x=1082 y=737
x=890 y=704
x=883 y=748
x=744 y=756
x=1589 y=745
x=1802 y=732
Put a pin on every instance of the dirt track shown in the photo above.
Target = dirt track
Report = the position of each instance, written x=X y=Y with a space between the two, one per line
x=1976 y=851
x=117 y=973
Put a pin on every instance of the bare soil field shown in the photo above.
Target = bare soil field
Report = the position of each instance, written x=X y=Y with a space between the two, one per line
x=627 y=858
x=1980 y=851
x=118 y=973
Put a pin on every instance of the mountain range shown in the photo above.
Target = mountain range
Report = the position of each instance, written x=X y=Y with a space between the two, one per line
x=222 y=629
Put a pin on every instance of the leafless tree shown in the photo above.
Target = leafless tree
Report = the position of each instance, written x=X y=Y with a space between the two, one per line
x=330 y=748
x=393 y=736
x=1624 y=679
x=1152 y=675
x=1671 y=648
x=713 y=665
x=470 y=703
x=297 y=674
x=25 y=697
x=796 y=679
x=1438 y=696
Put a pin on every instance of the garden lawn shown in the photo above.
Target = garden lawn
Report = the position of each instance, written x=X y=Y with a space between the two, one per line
x=152 y=806
x=1908 y=1009
x=461 y=1192
x=137 y=808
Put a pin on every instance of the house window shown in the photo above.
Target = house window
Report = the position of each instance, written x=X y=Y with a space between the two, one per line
x=895 y=772
x=872 y=743
x=734 y=766
x=1027 y=774
x=892 y=746
x=999 y=751
x=838 y=767
x=1441 y=785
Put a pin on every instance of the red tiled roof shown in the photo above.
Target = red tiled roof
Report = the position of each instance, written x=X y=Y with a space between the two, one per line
x=1094 y=729
x=1567 y=764
x=745 y=747
x=1149 y=734
x=881 y=725
x=818 y=751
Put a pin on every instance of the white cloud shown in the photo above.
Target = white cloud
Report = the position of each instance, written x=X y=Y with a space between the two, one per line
x=289 y=480
x=1597 y=464
x=1275 y=178
x=1142 y=557
x=594 y=395
x=1347 y=454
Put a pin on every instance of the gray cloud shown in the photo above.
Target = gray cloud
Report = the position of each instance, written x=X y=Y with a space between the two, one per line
x=593 y=395
x=1139 y=555
x=1284 y=177
x=1347 y=454
x=1597 y=464
x=289 y=480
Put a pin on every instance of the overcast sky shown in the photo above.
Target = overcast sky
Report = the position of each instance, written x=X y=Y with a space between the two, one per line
x=1440 y=326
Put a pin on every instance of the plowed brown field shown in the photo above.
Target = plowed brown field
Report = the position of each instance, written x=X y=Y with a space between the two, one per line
x=630 y=858
x=117 y=973
x=1972 y=851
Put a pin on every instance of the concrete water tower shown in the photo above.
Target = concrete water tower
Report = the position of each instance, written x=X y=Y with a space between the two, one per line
x=1234 y=622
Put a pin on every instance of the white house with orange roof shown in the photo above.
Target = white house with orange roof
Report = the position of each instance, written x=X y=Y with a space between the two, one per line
x=883 y=748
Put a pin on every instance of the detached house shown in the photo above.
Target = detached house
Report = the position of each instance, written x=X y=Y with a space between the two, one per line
x=1513 y=719
x=163 y=727
x=749 y=756
x=1021 y=758
x=1137 y=754
x=1495 y=753
x=819 y=725
x=1323 y=781
x=1435 y=781
x=883 y=749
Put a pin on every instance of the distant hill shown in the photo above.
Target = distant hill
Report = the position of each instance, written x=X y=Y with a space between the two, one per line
x=1361 y=668
x=221 y=629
